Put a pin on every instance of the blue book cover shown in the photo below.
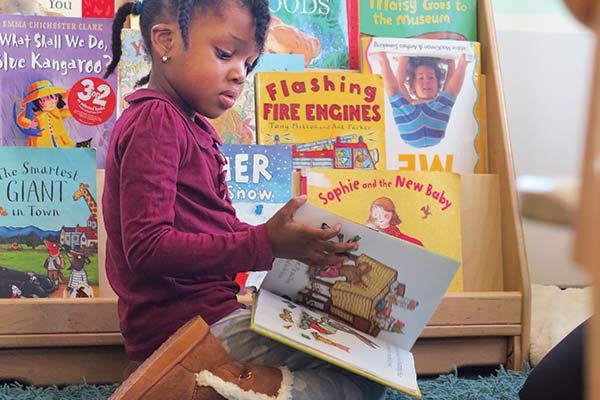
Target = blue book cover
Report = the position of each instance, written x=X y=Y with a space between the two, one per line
x=259 y=178
x=48 y=222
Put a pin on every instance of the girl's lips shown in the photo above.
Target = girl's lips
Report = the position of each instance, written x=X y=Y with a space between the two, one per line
x=227 y=100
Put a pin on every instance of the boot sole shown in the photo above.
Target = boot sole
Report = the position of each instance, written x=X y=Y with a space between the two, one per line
x=163 y=360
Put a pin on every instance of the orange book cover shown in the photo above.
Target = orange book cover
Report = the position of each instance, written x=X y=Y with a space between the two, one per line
x=332 y=119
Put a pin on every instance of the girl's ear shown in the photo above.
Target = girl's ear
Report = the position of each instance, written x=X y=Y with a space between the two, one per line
x=162 y=38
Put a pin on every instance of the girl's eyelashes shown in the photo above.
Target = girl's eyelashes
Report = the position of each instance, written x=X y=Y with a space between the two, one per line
x=223 y=55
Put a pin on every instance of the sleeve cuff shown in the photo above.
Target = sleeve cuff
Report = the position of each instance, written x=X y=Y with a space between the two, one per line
x=264 y=249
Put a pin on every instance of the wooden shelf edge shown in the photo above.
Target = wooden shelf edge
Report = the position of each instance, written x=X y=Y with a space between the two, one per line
x=61 y=340
x=441 y=331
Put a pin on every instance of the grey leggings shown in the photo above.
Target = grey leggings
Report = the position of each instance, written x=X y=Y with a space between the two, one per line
x=313 y=379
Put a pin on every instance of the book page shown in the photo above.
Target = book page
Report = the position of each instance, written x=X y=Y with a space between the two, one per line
x=333 y=341
x=388 y=288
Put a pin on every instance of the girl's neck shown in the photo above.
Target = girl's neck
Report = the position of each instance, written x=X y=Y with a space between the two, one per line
x=162 y=86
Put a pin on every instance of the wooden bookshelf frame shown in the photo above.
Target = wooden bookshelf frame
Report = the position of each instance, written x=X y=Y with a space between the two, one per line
x=64 y=341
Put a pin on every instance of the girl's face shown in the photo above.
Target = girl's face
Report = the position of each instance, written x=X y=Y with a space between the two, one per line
x=380 y=217
x=426 y=83
x=208 y=76
x=48 y=103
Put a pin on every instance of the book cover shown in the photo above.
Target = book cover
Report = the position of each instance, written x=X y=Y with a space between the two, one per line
x=332 y=119
x=133 y=65
x=364 y=315
x=51 y=77
x=316 y=29
x=428 y=19
x=259 y=179
x=48 y=223
x=60 y=8
x=433 y=104
x=238 y=124
x=422 y=208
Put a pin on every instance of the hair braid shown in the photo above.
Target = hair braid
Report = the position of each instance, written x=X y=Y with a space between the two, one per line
x=262 y=16
x=117 y=26
x=184 y=13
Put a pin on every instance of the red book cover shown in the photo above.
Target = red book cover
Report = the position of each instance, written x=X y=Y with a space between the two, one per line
x=97 y=9
x=353 y=34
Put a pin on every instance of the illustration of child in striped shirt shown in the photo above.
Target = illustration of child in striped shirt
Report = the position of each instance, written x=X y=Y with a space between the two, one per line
x=422 y=95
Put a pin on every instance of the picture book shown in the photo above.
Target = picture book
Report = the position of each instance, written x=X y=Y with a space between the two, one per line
x=419 y=207
x=60 y=8
x=363 y=315
x=133 y=65
x=316 y=29
x=427 y=19
x=48 y=223
x=51 y=77
x=433 y=103
x=238 y=124
x=332 y=119
x=259 y=179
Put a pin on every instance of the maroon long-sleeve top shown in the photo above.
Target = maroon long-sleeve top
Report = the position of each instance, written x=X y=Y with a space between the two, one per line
x=174 y=241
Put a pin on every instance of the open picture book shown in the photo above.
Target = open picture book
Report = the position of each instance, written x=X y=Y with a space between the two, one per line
x=364 y=314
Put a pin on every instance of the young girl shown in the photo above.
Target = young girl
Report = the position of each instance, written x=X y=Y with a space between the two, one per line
x=422 y=110
x=174 y=241
x=383 y=217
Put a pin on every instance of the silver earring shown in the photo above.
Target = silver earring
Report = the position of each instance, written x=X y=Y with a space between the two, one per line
x=164 y=58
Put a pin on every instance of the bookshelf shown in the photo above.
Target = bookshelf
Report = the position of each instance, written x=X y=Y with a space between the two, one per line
x=48 y=341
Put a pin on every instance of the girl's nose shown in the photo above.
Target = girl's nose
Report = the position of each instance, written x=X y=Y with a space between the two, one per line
x=237 y=73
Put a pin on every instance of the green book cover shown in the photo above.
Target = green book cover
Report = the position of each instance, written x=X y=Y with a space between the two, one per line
x=429 y=19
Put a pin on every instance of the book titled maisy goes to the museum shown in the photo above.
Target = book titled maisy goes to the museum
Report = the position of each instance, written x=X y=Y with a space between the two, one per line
x=331 y=119
x=427 y=19
x=364 y=314
x=48 y=223
x=433 y=103
x=53 y=90
x=420 y=207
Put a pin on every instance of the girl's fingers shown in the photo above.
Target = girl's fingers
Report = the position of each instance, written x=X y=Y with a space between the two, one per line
x=338 y=248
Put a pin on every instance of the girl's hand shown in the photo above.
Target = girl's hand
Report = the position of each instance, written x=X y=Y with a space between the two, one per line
x=311 y=246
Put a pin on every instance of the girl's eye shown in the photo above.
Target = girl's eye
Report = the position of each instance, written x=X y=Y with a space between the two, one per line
x=223 y=55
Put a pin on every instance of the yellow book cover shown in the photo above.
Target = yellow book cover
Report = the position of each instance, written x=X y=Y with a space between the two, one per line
x=433 y=103
x=422 y=208
x=332 y=119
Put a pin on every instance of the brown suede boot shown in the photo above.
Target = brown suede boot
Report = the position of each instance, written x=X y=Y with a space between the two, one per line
x=171 y=372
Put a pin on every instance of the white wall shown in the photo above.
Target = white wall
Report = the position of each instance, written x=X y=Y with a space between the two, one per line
x=546 y=57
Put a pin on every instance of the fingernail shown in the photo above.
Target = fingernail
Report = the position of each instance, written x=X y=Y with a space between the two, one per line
x=337 y=227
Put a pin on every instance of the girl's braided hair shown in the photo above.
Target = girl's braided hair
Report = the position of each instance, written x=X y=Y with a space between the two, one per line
x=151 y=10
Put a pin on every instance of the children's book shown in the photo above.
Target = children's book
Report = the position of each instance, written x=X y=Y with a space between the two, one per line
x=419 y=207
x=427 y=19
x=60 y=8
x=51 y=77
x=133 y=65
x=332 y=119
x=318 y=30
x=363 y=315
x=433 y=103
x=238 y=124
x=48 y=223
x=259 y=179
